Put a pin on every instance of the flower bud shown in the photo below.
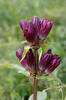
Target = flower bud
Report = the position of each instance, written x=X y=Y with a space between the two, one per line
x=19 y=54
x=28 y=61
x=55 y=61
x=45 y=59
x=28 y=31
x=46 y=26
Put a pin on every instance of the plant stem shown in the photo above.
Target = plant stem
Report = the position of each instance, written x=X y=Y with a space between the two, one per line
x=35 y=89
x=35 y=79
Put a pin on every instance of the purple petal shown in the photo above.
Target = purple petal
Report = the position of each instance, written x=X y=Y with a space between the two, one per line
x=46 y=26
x=55 y=61
x=37 y=24
x=46 y=57
x=19 y=54
x=28 y=31
x=30 y=34
x=23 y=25
x=29 y=61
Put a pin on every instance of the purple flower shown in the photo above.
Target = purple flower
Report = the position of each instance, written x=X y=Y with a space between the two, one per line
x=29 y=61
x=36 y=30
x=45 y=59
x=55 y=61
x=49 y=62
x=46 y=26
x=19 y=53
x=29 y=31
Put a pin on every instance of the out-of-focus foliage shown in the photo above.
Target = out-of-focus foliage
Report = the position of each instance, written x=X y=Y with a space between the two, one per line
x=14 y=85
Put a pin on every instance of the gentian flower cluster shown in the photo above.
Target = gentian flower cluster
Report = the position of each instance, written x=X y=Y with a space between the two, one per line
x=36 y=31
x=47 y=64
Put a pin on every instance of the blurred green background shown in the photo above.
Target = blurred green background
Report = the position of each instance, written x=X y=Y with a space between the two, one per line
x=13 y=84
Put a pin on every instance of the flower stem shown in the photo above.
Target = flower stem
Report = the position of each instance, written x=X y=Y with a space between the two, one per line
x=35 y=89
x=35 y=78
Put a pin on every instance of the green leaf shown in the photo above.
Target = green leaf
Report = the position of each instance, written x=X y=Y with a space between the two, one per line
x=40 y=53
x=26 y=49
x=44 y=48
x=40 y=95
x=20 y=69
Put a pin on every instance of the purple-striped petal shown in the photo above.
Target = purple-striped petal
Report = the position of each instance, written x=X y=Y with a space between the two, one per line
x=29 y=61
x=55 y=61
x=46 y=57
x=19 y=54
x=29 y=31
x=46 y=26
x=37 y=24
